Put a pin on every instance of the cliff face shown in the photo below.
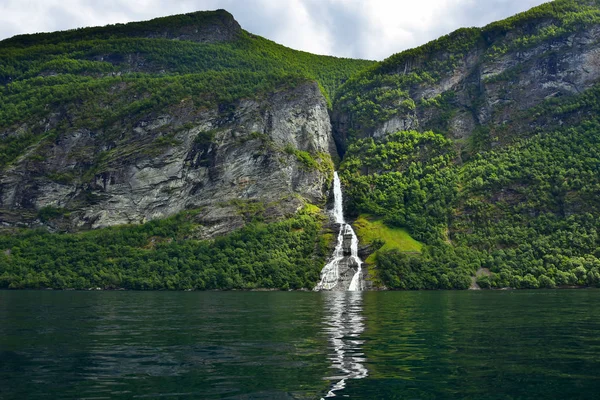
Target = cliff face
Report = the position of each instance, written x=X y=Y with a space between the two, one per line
x=472 y=80
x=273 y=151
x=129 y=123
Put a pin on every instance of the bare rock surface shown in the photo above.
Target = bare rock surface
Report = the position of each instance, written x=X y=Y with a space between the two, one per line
x=228 y=163
x=485 y=90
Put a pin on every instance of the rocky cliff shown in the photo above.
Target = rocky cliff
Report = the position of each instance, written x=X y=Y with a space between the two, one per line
x=274 y=151
x=477 y=80
x=124 y=124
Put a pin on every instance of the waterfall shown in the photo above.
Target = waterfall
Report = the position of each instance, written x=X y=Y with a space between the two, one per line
x=355 y=284
x=338 y=200
x=334 y=276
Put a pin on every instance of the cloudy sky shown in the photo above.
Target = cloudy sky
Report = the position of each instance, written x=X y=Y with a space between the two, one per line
x=371 y=29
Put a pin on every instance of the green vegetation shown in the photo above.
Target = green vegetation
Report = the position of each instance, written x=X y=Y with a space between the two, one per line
x=106 y=81
x=49 y=212
x=382 y=239
x=440 y=267
x=170 y=26
x=406 y=178
x=528 y=212
x=303 y=156
x=163 y=254
x=518 y=198
x=374 y=232
x=409 y=180
x=532 y=212
x=322 y=162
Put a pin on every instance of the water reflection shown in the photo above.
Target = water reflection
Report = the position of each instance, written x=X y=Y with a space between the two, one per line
x=343 y=323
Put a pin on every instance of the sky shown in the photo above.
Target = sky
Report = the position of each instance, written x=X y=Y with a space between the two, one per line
x=371 y=29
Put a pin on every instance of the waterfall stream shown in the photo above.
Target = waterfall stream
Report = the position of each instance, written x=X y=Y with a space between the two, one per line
x=344 y=260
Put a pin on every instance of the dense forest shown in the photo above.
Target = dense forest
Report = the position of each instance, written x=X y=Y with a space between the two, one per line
x=520 y=199
x=512 y=200
x=529 y=212
x=163 y=254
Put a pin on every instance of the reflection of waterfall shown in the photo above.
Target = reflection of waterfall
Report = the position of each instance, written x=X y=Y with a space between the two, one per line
x=343 y=272
x=343 y=322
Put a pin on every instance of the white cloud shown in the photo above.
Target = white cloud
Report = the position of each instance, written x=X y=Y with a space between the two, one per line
x=290 y=23
x=350 y=28
x=392 y=26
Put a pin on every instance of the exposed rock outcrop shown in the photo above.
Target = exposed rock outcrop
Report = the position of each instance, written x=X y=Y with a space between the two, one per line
x=233 y=164
x=484 y=87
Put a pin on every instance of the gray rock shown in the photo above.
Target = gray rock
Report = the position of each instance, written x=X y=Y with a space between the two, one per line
x=246 y=159
x=489 y=90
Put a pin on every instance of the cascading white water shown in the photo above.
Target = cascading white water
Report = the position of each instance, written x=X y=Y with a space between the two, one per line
x=330 y=274
x=355 y=284
x=338 y=200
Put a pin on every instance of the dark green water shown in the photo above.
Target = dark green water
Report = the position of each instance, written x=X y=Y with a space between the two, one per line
x=394 y=345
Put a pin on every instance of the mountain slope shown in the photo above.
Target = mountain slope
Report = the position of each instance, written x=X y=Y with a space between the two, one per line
x=475 y=157
x=499 y=168
x=211 y=145
x=128 y=123
x=474 y=80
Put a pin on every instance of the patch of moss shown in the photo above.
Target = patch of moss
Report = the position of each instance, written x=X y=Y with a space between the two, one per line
x=206 y=137
x=311 y=209
x=61 y=177
x=251 y=210
x=320 y=161
x=48 y=213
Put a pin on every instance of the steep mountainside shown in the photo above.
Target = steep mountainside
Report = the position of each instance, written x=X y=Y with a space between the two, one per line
x=472 y=83
x=187 y=118
x=473 y=159
x=181 y=158
x=500 y=167
x=128 y=123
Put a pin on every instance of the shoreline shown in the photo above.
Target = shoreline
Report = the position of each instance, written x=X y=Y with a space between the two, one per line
x=285 y=290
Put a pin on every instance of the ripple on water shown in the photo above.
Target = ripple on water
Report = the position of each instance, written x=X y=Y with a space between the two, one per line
x=455 y=345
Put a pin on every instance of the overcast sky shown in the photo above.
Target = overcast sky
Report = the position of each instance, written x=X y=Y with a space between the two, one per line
x=372 y=29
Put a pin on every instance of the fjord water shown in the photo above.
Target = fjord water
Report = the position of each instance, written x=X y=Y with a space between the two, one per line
x=275 y=345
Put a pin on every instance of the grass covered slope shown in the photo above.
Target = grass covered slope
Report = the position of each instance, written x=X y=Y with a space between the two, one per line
x=373 y=231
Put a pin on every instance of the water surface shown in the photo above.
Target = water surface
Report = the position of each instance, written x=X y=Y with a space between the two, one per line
x=241 y=345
